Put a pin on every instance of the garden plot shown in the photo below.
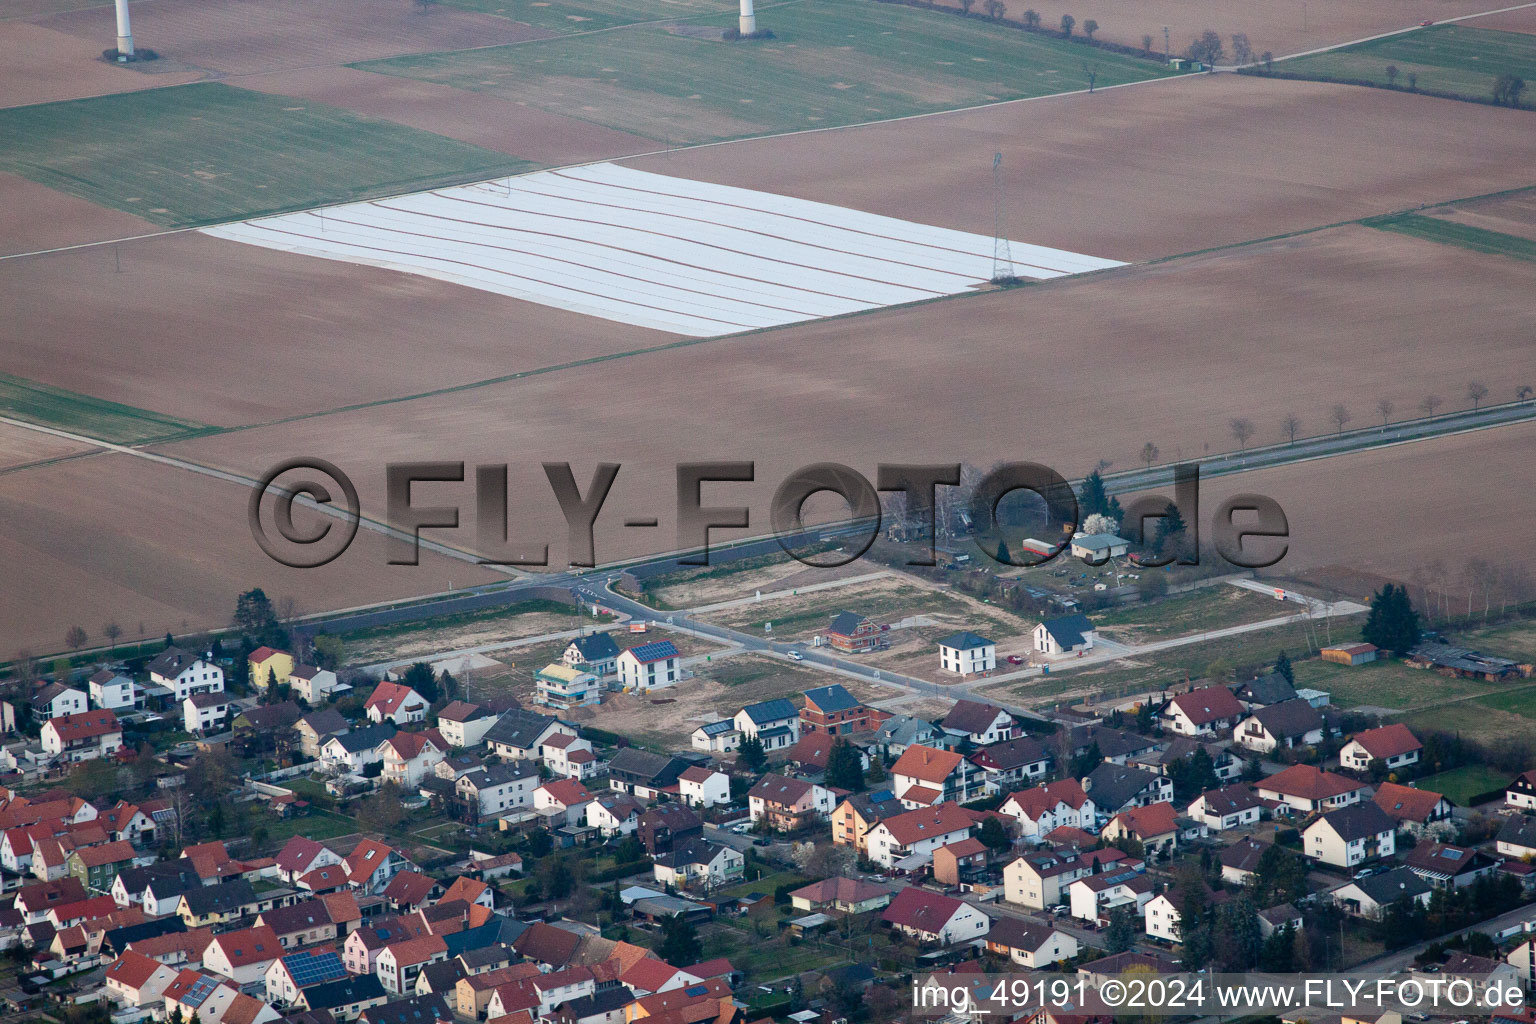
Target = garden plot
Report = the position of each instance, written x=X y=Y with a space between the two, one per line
x=654 y=251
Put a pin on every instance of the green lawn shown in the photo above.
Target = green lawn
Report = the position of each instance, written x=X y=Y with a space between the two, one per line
x=1447 y=59
x=1519 y=701
x=586 y=15
x=205 y=153
x=315 y=825
x=831 y=62
x=1464 y=236
x=1461 y=784
x=83 y=414
x=1513 y=639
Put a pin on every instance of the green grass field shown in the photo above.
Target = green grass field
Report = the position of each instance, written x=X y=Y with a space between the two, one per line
x=1519 y=701
x=1465 y=236
x=587 y=15
x=83 y=414
x=832 y=62
x=1208 y=608
x=1447 y=59
x=1461 y=784
x=1387 y=683
x=201 y=154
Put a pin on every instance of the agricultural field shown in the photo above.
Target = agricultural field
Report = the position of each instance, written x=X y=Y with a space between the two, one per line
x=569 y=16
x=832 y=62
x=1459 y=60
x=430 y=637
x=1387 y=683
x=206 y=153
x=1211 y=607
x=1512 y=214
x=1515 y=639
x=85 y=414
x=1466 y=236
x=20 y=447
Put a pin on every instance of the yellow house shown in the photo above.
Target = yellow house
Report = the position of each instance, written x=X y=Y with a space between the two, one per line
x=269 y=662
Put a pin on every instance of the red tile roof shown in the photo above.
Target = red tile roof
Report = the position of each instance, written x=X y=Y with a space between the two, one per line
x=249 y=946
x=133 y=969
x=388 y=697
x=1208 y=704
x=926 y=763
x=920 y=909
x=1035 y=802
x=1389 y=741
x=1406 y=803
x=927 y=822
x=410 y=888
x=1307 y=783
x=85 y=725
x=1149 y=821
x=569 y=792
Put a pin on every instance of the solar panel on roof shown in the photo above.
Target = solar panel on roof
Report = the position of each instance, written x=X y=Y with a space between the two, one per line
x=696 y=990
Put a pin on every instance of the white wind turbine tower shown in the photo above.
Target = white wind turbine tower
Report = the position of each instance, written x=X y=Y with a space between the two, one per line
x=125 y=33
x=748 y=20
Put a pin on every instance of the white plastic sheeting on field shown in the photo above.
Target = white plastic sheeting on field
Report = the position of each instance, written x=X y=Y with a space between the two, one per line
x=668 y=253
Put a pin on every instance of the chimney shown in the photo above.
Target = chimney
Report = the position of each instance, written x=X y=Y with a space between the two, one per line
x=125 y=33
x=748 y=21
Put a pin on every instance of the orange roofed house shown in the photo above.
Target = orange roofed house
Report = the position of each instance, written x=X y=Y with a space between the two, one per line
x=924 y=776
x=397 y=703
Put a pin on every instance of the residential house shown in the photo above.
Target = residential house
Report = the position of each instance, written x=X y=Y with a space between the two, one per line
x=498 y=788
x=562 y=801
x=83 y=737
x=1031 y=945
x=981 y=724
x=842 y=894
x=857 y=814
x=464 y=724
x=899 y=732
x=963 y=861
x=1095 y=897
x=773 y=723
x=317 y=727
x=55 y=700
x=300 y=855
x=1067 y=634
x=288 y=975
x=1227 y=808
x=1288 y=724
x=924 y=776
x=1449 y=867
x=396 y=703
x=1154 y=826
x=355 y=750
x=1012 y=763
x=410 y=891
x=242 y=956
x=1517 y=837
x=408 y=756
x=967 y=654
x=832 y=709
x=789 y=804
x=310 y=921
x=917 y=833
x=1277 y=918
x=642 y=773
x=1301 y=787
x=1240 y=861
x=314 y=685
x=562 y=687
x=649 y=666
x=1413 y=809
x=97 y=867
x=663 y=826
x=570 y=757
x=1393 y=745
x=614 y=814
x=1521 y=793
x=398 y=964
x=703 y=787
x=344 y=999
x=518 y=734
x=1115 y=788
x=185 y=674
x=1162 y=915
x=1202 y=712
x=1046 y=808
x=111 y=690
x=205 y=712
x=266 y=665
x=716 y=737
x=1370 y=897
x=930 y=917
x=136 y=980
x=218 y=905
x=851 y=633
x=1350 y=835
x=595 y=653
x=371 y=865
x=698 y=862
x=1042 y=879
x=1262 y=691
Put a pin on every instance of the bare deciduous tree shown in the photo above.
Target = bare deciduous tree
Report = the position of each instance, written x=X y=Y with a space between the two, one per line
x=1476 y=392
x=1242 y=52
x=1268 y=59
x=1391 y=76
x=1523 y=393
x=1430 y=404
x=1385 y=407
x=1292 y=426
x=113 y=632
x=1067 y=24
x=75 y=638
x=1090 y=27
x=966 y=5
x=1146 y=44
x=1339 y=416
x=1031 y=19
x=1242 y=430
x=996 y=9
x=1149 y=454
